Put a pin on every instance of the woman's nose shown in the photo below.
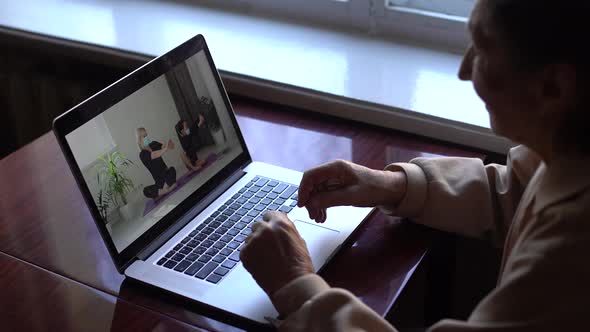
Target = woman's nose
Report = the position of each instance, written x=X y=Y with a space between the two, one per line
x=466 y=65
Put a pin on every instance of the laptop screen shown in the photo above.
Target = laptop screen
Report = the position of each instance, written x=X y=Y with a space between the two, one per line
x=146 y=154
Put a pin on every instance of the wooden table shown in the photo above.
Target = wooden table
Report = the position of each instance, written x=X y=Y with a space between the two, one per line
x=54 y=256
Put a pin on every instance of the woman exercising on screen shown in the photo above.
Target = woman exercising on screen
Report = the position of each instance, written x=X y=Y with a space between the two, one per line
x=151 y=153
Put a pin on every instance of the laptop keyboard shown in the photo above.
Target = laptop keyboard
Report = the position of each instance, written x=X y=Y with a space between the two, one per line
x=212 y=249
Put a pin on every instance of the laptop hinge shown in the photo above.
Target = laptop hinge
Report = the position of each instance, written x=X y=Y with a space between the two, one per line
x=190 y=215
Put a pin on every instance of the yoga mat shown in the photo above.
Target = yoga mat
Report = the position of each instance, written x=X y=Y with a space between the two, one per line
x=152 y=203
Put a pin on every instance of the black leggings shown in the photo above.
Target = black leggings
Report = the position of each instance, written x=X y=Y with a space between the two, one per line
x=169 y=178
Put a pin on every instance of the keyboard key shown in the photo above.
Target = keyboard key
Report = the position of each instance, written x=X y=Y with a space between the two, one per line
x=194 y=268
x=253 y=190
x=204 y=258
x=234 y=217
x=213 y=237
x=215 y=224
x=221 y=230
x=259 y=207
x=207 y=230
x=201 y=237
x=186 y=250
x=214 y=278
x=235 y=196
x=219 y=244
x=178 y=247
x=200 y=250
x=178 y=257
x=254 y=200
x=170 y=264
x=233 y=232
x=285 y=209
x=170 y=253
x=185 y=240
x=247 y=219
x=192 y=257
x=228 y=264
x=233 y=245
x=162 y=261
x=204 y=272
x=235 y=256
x=293 y=204
x=266 y=201
x=241 y=212
x=211 y=252
x=253 y=213
x=256 y=178
x=273 y=183
x=249 y=184
x=272 y=195
x=280 y=188
x=248 y=206
x=261 y=182
x=226 y=238
x=223 y=217
x=193 y=233
x=182 y=266
x=266 y=189
x=241 y=246
x=280 y=201
x=221 y=271
x=295 y=197
x=240 y=238
x=241 y=200
x=246 y=232
x=287 y=193
x=235 y=206
x=218 y=258
x=228 y=224
x=248 y=194
x=260 y=194
x=193 y=244
x=240 y=225
x=273 y=207
x=207 y=243
x=225 y=252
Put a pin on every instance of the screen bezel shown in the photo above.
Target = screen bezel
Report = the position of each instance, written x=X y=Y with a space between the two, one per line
x=102 y=101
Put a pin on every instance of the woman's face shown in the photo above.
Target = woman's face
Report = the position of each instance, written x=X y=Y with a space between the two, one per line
x=509 y=95
x=143 y=134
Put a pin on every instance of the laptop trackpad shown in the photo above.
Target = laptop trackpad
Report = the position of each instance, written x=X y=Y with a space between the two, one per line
x=321 y=241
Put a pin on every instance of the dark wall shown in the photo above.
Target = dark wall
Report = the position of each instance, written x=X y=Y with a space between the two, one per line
x=38 y=82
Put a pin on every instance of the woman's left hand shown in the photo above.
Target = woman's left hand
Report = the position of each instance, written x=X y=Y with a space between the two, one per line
x=275 y=253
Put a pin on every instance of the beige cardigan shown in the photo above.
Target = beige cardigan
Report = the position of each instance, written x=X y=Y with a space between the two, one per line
x=540 y=213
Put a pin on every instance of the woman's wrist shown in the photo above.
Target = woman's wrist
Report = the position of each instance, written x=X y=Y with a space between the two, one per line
x=390 y=186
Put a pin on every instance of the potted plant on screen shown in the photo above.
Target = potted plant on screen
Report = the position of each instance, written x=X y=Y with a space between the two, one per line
x=114 y=183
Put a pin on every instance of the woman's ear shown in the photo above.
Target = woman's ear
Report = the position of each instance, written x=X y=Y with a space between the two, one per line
x=558 y=88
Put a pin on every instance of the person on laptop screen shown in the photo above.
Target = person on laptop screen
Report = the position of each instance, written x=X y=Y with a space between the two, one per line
x=528 y=64
x=150 y=154
x=189 y=138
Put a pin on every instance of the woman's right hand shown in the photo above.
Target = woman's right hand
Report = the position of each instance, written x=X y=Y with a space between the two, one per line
x=342 y=182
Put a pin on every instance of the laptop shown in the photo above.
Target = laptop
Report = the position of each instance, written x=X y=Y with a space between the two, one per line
x=162 y=165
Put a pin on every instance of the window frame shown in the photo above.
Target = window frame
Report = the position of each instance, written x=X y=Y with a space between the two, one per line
x=374 y=17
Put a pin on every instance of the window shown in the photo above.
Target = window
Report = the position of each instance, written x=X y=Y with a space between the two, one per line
x=460 y=8
x=439 y=22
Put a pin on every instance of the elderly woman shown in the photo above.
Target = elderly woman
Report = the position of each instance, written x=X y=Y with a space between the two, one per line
x=530 y=67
